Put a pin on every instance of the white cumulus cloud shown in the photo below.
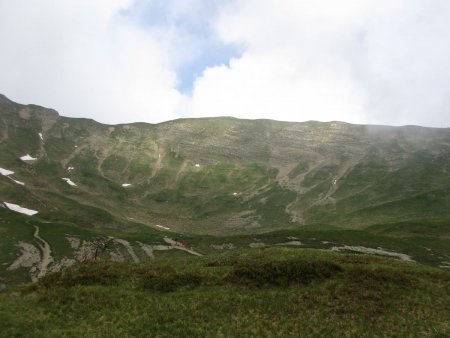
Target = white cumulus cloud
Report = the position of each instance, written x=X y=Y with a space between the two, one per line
x=85 y=59
x=361 y=61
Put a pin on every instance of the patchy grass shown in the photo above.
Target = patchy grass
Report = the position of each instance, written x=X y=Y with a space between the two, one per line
x=247 y=293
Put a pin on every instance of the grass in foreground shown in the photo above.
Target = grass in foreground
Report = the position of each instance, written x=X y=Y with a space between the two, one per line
x=273 y=292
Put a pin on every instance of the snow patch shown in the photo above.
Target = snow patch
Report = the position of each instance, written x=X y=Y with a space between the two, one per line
x=42 y=137
x=126 y=185
x=197 y=165
x=27 y=157
x=18 y=182
x=6 y=172
x=160 y=226
x=69 y=181
x=235 y=194
x=70 y=168
x=19 y=209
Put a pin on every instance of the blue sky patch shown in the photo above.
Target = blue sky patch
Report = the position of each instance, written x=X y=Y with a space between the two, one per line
x=193 y=41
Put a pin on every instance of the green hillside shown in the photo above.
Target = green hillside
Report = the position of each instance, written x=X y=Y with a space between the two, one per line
x=191 y=187
x=244 y=293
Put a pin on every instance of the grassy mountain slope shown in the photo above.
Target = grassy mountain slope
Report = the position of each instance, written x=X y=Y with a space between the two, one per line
x=224 y=175
x=260 y=293
x=327 y=184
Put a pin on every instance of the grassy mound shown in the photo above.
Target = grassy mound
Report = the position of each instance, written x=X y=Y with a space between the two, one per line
x=273 y=292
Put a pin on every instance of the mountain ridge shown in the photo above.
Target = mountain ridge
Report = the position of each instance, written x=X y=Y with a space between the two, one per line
x=305 y=168
x=4 y=98
x=216 y=184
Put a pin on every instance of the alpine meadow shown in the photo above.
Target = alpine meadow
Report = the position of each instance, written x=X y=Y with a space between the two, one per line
x=221 y=227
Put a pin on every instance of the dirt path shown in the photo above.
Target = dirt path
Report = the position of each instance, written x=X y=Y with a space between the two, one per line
x=47 y=258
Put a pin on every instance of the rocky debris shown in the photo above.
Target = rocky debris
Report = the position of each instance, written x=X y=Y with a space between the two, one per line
x=74 y=242
x=257 y=245
x=129 y=249
x=373 y=251
x=224 y=246
x=116 y=256
x=170 y=241
x=61 y=265
x=291 y=243
x=159 y=247
x=148 y=249
x=245 y=219
x=29 y=256
x=85 y=252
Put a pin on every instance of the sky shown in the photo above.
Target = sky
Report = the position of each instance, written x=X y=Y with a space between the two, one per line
x=121 y=61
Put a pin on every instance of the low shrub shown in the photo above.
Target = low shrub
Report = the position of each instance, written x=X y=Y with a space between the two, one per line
x=85 y=273
x=167 y=279
x=282 y=273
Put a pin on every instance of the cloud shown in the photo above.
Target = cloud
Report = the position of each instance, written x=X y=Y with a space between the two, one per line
x=184 y=28
x=85 y=59
x=356 y=61
x=361 y=61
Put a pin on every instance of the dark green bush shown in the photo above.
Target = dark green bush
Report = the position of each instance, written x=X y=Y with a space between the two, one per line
x=167 y=279
x=85 y=273
x=379 y=277
x=282 y=273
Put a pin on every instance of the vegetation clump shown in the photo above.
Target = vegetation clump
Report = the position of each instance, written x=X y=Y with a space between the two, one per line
x=275 y=292
x=85 y=273
x=166 y=279
x=283 y=273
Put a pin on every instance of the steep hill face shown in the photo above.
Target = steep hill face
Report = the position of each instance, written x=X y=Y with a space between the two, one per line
x=221 y=175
